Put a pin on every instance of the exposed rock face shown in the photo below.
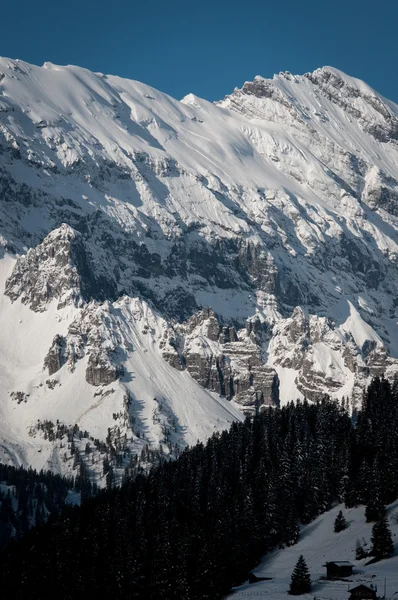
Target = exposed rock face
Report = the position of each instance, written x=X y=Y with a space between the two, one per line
x=223 y=360
x=100 y=371
x=251 y=382
x=326 y=356
x=384 y=127
x=93 y=334
x=380 y=191
x=57 y=268
x=56 y=358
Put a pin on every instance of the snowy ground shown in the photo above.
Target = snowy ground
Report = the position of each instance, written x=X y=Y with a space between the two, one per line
x=319 y=544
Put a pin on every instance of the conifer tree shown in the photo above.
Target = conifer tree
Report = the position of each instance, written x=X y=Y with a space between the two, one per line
x=360 y=553
x=382 y=544
x=375 y=510
x=301 y=579
x=340 y=522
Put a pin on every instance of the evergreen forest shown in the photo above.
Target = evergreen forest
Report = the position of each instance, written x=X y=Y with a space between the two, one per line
x=194 y=527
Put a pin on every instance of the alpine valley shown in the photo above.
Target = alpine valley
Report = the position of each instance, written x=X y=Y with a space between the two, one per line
x=170 y=266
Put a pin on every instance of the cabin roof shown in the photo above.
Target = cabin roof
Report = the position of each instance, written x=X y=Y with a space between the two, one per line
x=340 y=563
x=368 y=586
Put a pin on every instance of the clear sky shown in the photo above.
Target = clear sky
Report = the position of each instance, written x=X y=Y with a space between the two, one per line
x=207 y=47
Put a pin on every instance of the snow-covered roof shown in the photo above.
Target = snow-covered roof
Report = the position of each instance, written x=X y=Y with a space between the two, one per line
x=369 y=586
x=340 y=563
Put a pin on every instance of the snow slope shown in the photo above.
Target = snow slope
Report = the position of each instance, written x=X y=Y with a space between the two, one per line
x=255 y=239
x=318 y=544
x=160 y=396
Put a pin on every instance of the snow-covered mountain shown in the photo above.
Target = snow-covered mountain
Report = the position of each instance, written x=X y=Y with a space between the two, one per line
x=169 y=265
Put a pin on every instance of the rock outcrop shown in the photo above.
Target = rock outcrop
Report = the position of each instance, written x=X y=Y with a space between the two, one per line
x=59 y=268
x=223 y=360
x=92 y=334
x=56 y=356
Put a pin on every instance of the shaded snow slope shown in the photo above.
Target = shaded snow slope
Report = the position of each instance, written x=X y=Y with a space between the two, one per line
x=319 y=544
x=261 y=231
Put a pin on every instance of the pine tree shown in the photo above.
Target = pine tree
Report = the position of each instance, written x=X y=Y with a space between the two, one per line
x=360 y=553
x=340 y=522
x=375 y=510
x=382 y=544
x=301 y=579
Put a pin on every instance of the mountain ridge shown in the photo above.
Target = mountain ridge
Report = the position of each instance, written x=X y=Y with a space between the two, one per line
x=260 y=233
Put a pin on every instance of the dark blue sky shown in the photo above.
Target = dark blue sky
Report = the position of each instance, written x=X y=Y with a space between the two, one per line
x=207 y=46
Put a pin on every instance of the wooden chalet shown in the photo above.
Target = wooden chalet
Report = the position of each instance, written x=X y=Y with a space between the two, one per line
x=363 y=591
x=338 y=569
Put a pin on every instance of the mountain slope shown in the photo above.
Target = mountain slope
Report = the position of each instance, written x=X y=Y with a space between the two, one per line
x=110 y=380
x=319 y=545
x=249 y=246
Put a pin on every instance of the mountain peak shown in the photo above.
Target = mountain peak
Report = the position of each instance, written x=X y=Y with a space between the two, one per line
x=260 y=234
